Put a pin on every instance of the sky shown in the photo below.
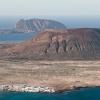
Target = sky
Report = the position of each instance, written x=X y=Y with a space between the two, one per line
x=50 y=7
x=72 y=13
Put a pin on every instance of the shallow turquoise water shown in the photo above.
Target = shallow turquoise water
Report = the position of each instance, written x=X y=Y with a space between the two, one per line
x=84 y=94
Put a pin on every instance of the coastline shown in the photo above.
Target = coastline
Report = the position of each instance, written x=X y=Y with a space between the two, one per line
x=25 y=88
x=39 y=89
x=58 y=75
x=76 y=88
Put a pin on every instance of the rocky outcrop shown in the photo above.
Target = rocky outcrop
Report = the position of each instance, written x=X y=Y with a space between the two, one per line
x=37 y=25
x=59 y=44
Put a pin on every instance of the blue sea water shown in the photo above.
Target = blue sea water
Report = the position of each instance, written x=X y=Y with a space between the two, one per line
x=18 y=37
x=84 y=94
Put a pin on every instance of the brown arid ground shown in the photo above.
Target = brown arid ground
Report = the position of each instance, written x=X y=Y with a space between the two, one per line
x=6 y=45
x=58 y=74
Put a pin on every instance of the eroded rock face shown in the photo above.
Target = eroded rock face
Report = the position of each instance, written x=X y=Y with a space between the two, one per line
x=59 y=44
x=37 y=25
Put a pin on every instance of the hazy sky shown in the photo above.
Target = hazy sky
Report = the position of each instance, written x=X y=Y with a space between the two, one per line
x=49 y=7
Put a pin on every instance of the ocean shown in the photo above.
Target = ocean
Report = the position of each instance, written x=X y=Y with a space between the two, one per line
x=8 y=22
x=84 y=94
x=18 y=37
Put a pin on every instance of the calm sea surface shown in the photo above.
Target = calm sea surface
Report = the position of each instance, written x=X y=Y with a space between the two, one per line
x=15 y=37
x=84 y=94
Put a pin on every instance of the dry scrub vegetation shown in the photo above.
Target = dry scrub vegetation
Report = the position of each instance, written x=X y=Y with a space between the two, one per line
x=58 y=74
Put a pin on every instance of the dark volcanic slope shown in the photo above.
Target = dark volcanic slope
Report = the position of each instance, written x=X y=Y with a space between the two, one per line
x=60 y=44
x=37 y=25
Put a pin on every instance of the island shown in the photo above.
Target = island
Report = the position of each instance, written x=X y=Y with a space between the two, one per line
x=52 y=61
x=33 y=25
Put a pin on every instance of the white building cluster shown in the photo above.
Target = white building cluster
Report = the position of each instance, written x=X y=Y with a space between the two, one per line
x=24 y=88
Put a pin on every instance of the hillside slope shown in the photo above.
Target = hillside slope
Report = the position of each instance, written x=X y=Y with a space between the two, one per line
x=59 y=44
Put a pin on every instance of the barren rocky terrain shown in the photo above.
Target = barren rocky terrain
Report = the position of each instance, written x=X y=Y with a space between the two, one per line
x=57 y=74
x=6 y=45
x=54 y=58
x=83 y=43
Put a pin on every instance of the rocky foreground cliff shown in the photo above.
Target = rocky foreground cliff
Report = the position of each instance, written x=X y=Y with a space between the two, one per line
x=59 y=45
x=34 y=25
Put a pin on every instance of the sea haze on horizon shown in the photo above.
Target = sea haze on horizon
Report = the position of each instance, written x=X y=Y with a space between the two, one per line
x=69 y=21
